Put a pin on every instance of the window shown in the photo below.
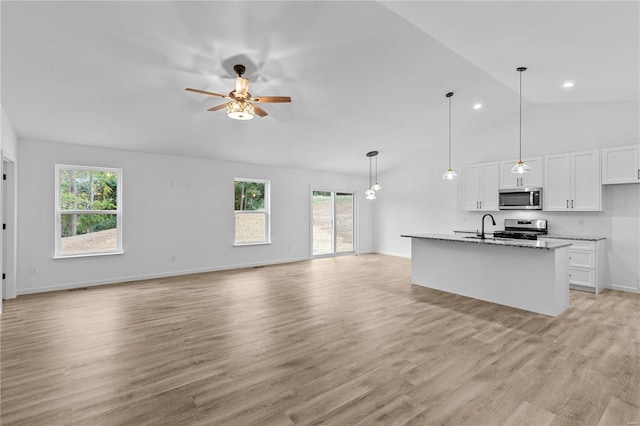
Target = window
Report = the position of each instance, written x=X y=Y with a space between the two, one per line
x=251 y=205
x=88 y=211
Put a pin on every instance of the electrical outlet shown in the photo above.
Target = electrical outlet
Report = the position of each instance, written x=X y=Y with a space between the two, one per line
x=33 y=270
x=173 y=257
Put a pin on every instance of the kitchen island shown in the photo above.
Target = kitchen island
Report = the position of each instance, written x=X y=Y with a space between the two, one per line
x=529 y=275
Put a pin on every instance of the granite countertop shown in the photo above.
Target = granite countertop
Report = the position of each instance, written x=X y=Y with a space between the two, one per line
x=549 y=236
x=572 y=237
x=539 y=244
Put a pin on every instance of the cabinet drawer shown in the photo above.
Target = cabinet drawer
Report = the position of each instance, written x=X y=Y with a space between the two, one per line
x=582 y=259
x=577 y=244
x=583 y=277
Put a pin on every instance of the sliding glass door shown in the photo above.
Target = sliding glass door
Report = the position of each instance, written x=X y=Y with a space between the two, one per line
x=332 y=226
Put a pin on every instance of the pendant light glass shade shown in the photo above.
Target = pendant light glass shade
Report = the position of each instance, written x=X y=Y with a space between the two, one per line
x=449 y=174
x=370 y=194
x=520 y=166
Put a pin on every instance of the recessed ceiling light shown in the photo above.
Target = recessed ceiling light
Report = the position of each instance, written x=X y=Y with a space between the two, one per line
x=568 y=84
x=477 y=106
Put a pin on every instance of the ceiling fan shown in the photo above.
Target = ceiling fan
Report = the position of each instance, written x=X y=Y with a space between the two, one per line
x=240 y=106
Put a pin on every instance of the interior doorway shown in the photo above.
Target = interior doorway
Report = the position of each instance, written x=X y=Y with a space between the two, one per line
x=333 y=223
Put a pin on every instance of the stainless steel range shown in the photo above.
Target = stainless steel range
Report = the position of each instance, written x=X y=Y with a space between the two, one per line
x=522 y=229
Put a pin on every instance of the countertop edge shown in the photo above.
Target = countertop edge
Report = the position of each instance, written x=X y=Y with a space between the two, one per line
x=501 y=242
x=570 y=237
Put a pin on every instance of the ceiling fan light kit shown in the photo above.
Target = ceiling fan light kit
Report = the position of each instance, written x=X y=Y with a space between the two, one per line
x=240 y=110
x=240 y=106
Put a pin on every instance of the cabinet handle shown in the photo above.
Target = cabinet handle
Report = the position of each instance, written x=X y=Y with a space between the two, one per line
x=567 y=203
x=571 y=203
x=638 y=173
x=480 y=204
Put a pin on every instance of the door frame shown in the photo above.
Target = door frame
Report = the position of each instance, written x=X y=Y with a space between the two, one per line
x=333 y=219
x=8 y=216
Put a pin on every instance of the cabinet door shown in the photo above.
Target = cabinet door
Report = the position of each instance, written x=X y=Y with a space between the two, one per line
x=530 y=179
x=557 y=177
x=508 y=180
x=534 y=176
x=585 y=180
x=621 y=165
x=470 y=187
x=489 y=182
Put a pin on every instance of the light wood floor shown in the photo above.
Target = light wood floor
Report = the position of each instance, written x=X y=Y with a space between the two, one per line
x=336 y=341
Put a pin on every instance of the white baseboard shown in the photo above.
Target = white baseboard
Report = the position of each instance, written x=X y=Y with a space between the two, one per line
x=623 y=288
x=388 y=253
x=71 y=286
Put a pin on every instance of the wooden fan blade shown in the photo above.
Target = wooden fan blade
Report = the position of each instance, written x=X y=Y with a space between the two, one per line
x=207 y=93
x=215 y=108
x=242 y=86
x=272 y=99
x=259 y=111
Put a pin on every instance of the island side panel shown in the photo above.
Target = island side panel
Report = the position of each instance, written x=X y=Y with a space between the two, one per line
x=532 y=279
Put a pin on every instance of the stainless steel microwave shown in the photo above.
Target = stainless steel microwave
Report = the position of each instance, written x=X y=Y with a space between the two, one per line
x=520 y=199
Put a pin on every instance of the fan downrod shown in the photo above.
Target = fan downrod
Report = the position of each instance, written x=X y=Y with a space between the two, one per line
x=239 y=69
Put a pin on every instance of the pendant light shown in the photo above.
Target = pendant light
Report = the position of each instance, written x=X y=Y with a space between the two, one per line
x=370 y=194
x=449 y=174
x=520 y=166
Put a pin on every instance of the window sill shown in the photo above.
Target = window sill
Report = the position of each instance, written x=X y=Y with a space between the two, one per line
x=261 y=243
x=75 y=256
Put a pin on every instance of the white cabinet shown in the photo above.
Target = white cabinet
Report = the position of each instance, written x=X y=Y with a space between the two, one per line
x=533 y=178
x=572 y=182
x=586 y=264
x=480 y=187
x=621 y=165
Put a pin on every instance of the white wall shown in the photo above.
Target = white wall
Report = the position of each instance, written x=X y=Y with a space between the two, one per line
x=193 y=220
x=417 y=199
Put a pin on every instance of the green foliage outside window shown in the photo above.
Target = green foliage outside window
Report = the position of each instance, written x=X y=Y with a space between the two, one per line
x=87 y=190
x=249 y=195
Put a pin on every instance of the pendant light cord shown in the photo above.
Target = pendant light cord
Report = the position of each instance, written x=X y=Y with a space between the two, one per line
x=520 y=136
x=449 y=132
x=376 y=169
x=370 y=183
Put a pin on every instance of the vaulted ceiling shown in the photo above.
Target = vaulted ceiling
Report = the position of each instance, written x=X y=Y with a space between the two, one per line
x=362 y=75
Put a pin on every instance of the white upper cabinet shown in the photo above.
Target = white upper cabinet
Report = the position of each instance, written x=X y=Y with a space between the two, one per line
x=480 y=187
x=572 y=182
x=621 y=165
x=530 y=179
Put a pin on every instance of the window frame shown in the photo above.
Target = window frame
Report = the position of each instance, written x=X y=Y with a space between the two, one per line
x=59 y=212
x=266 y=211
